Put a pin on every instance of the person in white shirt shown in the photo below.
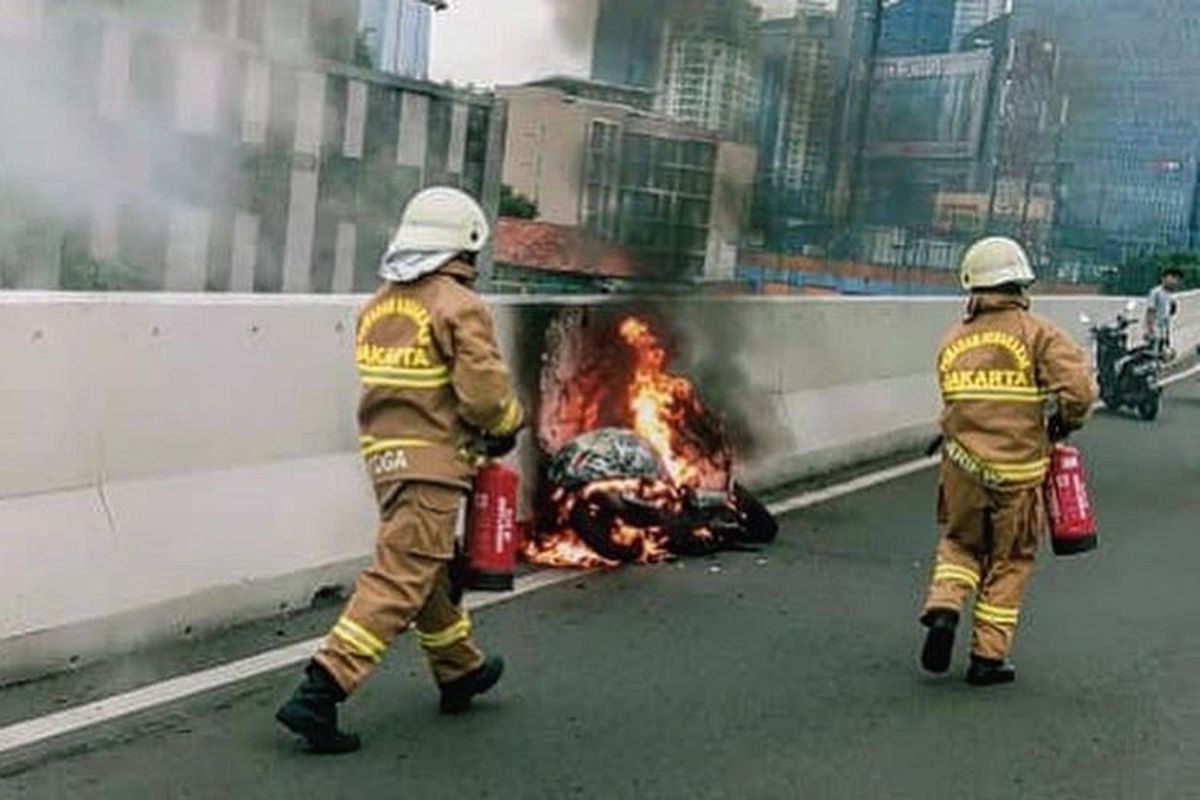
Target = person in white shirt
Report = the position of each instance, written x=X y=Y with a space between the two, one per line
x=1160 y=307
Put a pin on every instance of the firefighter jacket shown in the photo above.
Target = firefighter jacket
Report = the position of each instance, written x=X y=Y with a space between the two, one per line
x=433 y=381
x=998 y=369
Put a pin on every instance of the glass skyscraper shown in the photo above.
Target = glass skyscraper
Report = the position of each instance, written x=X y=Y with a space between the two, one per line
x=916 y=27
x=970 y=14
x=396 y=34
x=1131 y=70
x=629 y=43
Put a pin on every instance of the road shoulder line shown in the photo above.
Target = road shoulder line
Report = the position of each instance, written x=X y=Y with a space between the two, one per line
x=27 y=733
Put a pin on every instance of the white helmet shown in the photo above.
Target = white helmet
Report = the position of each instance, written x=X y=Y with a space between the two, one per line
x=993 y=262
x=437 y=225
x=441 y=218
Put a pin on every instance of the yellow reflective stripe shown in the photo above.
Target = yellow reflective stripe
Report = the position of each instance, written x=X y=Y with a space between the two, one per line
x=363 y=641
x=446 y=637
x=968 y=462
x=994 y=396
x=355 y=645
x=367 y=636
x=405 y=372
x=372 y=446
x=953 y=572
x=413 y=380
x=993 y=472
x=1032 y=469
x=950 y=571
x=997 y=615
x=1008 y=390
x=510 y=420
x=1001 y=622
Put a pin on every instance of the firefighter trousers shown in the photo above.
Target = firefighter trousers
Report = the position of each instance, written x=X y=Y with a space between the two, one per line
x=407 y=585
x=987 y=545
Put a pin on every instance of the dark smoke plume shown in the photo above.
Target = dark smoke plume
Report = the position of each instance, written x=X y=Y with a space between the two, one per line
x=575 y=21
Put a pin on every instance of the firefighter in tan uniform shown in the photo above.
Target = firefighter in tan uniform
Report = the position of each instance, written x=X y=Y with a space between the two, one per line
x=1000 y=370
x=435 y=394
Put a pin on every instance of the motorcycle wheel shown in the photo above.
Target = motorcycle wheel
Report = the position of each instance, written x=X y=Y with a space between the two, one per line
x=1108 y=394
x=1149 y=407
x=595 y=523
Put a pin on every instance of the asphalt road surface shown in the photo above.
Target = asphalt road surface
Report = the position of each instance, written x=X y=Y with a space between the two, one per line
x=789 y=674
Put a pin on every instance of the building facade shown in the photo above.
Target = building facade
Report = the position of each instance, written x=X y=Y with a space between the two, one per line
x=916 y=27
x=972 y=14
x=965 y=144
x=796 y=123
x=209 y=151
x=700 y=58
x=1131 y=71
x=676 y=197
x=711 y=66
x=628 y=43
x=396 y=35
x=856 y=42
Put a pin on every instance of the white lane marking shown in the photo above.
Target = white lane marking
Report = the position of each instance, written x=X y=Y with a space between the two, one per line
x=39 y=729
x=1183 y=376
x=818 y=496
x=30 y=732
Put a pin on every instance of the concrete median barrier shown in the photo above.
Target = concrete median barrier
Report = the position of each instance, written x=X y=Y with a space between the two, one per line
x=175 y=463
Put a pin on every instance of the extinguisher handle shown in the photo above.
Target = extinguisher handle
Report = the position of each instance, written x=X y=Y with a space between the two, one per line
x=1057 y=429
x=494 y=447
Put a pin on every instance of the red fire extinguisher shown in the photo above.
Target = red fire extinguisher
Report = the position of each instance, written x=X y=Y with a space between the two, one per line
x=1072 y=519
x=492 y=528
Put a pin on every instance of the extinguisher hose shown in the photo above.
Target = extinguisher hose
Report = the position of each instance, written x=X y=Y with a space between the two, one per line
x=935 y=446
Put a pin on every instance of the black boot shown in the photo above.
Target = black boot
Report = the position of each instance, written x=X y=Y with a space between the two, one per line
x=990 y=672
x=312 y=713
x=456 y=695
x=939 y=642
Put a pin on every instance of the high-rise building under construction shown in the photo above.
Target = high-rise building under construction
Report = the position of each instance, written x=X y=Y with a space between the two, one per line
x=795 y=127
x=700 y=57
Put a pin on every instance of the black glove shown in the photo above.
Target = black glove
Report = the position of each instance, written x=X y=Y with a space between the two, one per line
x=498 y=446
x=1058 y=429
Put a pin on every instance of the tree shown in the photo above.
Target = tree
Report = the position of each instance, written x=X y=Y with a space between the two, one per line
x=514 y=204
x=1140 y=273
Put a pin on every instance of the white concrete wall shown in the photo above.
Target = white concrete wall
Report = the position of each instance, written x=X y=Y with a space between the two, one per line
x=177 y=462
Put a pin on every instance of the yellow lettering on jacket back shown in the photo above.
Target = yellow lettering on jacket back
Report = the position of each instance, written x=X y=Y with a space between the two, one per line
x=1005 y=341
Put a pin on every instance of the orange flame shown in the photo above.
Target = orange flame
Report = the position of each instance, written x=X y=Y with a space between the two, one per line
x=660 y=407
x=565 y=550
x=657 y=400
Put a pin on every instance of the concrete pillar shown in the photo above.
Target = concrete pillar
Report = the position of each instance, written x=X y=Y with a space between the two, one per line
x=310 y=113
x=457 y=157
x=256 y=102
x=345 y=252
x=187 y=250
x=112 y=91
x=245 y=252
x=302 y=205
x=301 y=229
x=356 y=120
x=197 y=89
x=414 y=131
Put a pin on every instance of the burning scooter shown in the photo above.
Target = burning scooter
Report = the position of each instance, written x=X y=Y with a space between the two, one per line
x=640 y=470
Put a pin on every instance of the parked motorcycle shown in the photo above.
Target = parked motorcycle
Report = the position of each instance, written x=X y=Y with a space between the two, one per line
x=1128 y=376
